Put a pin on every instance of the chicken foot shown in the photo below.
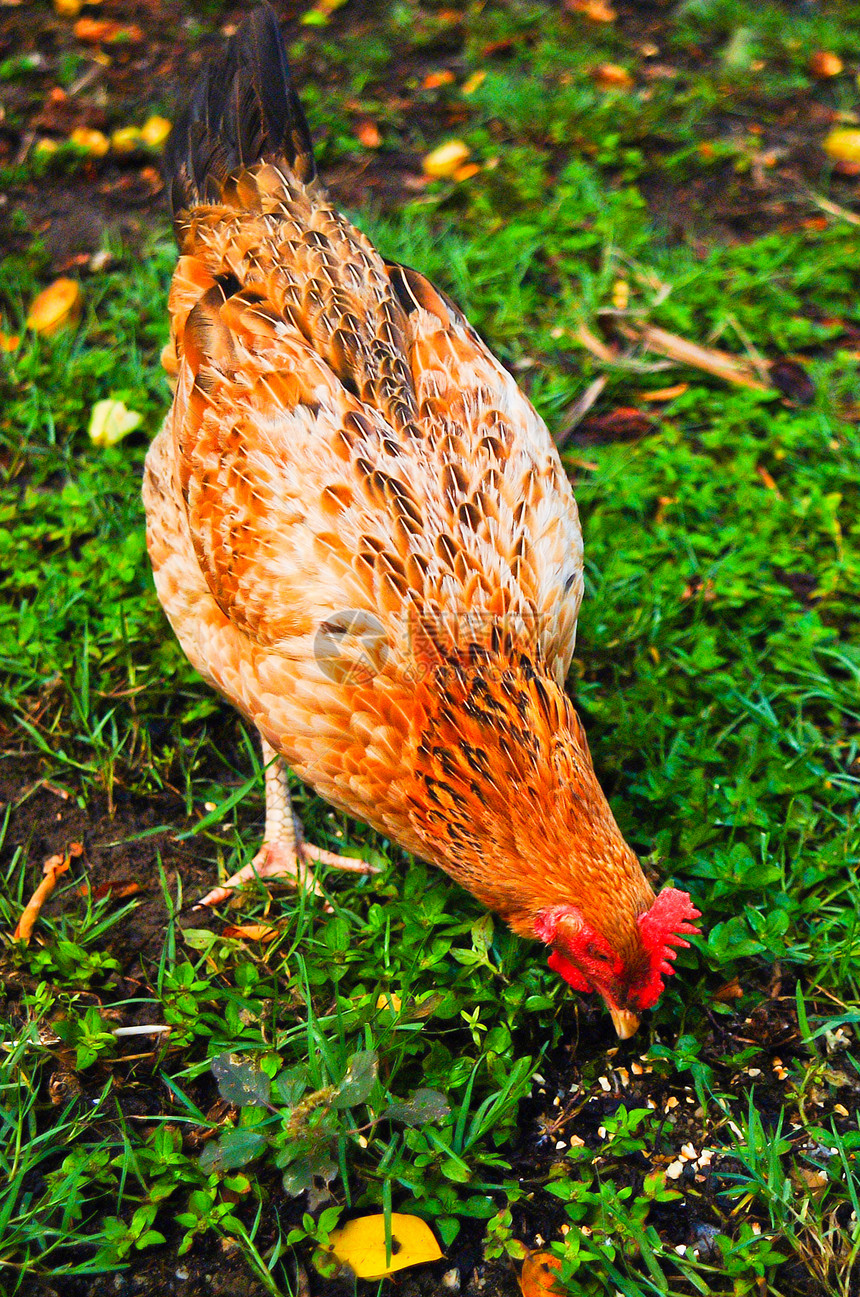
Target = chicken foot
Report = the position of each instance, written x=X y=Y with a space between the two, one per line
x=284 y=853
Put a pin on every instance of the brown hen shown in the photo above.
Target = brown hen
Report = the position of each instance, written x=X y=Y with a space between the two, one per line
x=362 y=535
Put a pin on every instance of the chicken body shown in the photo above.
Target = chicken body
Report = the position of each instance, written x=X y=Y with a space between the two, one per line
x=362 y=535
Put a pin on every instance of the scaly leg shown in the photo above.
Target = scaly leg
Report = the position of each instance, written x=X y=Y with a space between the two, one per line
x=283 y=854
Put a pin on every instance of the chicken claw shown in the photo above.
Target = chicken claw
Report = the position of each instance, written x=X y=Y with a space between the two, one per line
x=283 y=854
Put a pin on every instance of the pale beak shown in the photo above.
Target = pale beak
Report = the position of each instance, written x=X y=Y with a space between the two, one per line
x=626 y=1024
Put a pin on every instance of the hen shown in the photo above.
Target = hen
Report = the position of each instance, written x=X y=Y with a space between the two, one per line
x=362 y=536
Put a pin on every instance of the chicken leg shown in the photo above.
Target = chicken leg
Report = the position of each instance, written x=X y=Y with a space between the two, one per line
x=283 y=854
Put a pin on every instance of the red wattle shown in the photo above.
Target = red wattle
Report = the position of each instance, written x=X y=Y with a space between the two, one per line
x=569 y=972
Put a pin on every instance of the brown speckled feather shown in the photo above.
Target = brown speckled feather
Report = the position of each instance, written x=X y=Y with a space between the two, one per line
x=362 y=535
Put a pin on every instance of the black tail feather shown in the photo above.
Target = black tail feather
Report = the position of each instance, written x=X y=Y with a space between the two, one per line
x=242 y=110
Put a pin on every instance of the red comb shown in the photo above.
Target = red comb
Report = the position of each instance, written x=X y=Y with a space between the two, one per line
x=665 y=925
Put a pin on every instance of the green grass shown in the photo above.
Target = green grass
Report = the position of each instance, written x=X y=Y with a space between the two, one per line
x=717 y=673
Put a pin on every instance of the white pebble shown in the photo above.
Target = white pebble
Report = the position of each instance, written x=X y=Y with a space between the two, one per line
x=675 y=1171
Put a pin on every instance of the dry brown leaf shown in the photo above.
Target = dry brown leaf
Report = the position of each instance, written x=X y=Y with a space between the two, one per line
x=57 y=305
x=610 y=76
x=434 y=80
x=665 y=502
x=96 y=31
x=53 y=867
x=615 y=425
x=117 y=891
x=765 y=477
x=824 y=63
x=501 y=46
x=729 y=991
x=252 y=932
x=538 y=1275
x=815 y=1181
x=93 y=30
x=367 y=133
x=597 y=11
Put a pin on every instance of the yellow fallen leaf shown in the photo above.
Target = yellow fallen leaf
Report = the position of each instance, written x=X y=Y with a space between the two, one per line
x=57 y=305
x=390 y=1001
x=93 y=142
x=9 y=341
x=360 y=1244
x=470 y=85
x=45 y=146
x=110 y=421
x=68 y=8
x=155 y=131
x=538 y=1275
x=446 y=160
x=125 y=139
x=621 y=294
x=843 y=145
